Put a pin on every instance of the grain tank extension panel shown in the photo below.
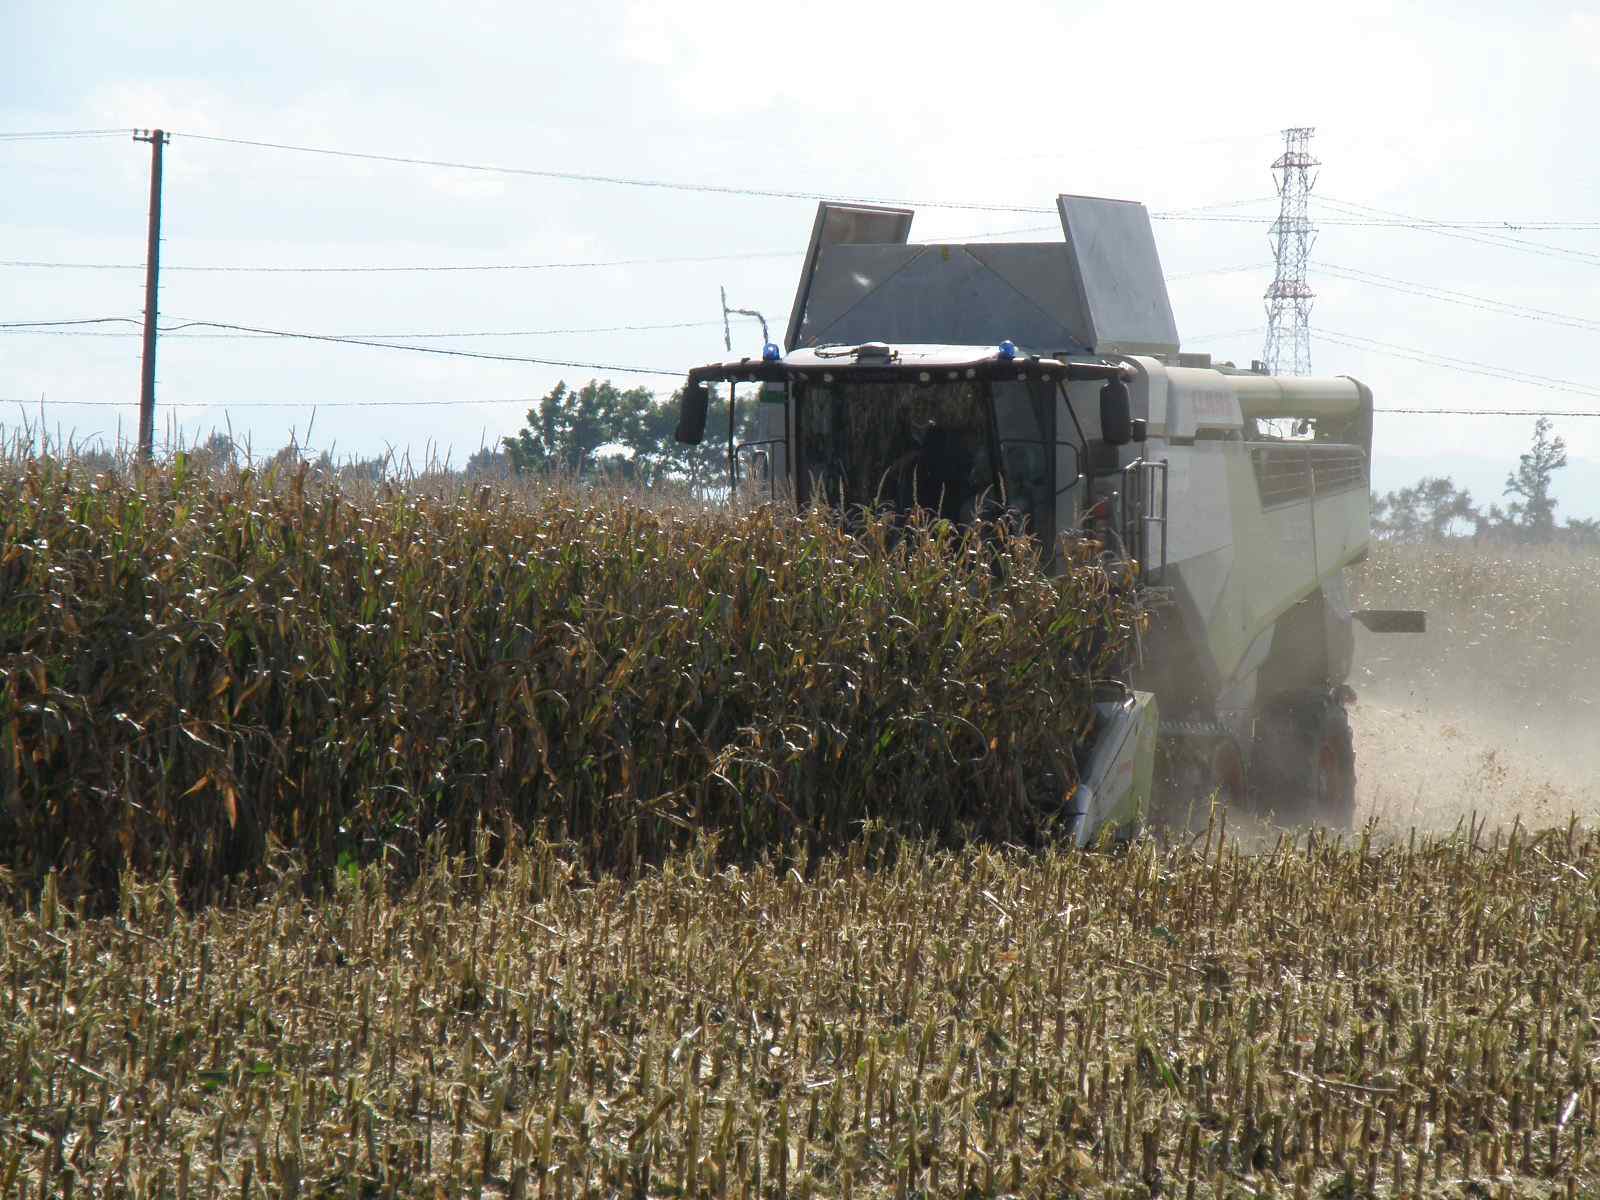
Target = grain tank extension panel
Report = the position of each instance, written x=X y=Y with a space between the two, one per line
x=1099 y=291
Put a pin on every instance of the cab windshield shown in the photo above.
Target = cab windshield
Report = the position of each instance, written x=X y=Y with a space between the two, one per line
x=896 y=445
x=960 y=449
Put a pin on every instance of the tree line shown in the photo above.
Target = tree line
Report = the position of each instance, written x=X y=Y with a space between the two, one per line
x=602 y=430
x=584 y=434
x=1435 y=509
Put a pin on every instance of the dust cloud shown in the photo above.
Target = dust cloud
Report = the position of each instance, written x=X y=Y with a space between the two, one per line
x=1429 y=763
x=1495 y=711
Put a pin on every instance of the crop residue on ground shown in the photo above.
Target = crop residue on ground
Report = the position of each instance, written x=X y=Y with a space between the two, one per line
x=1315 y=1020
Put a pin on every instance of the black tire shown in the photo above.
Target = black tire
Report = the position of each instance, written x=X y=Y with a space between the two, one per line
x=1305 y=763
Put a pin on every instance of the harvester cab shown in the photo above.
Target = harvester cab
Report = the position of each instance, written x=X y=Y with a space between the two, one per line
x=1042 y=383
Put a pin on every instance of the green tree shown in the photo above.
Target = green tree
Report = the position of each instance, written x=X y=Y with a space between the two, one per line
x=217 y=452
x=1433 y=509
x=583 y=431
x=704 y=465
x=488 y=462
x=568 y=427
x=1533 y=513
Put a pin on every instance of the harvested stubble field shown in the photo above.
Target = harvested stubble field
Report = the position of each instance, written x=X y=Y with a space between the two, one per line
x=401 y=994
x=1319 y=1020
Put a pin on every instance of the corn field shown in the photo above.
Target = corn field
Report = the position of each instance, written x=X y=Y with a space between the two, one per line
x=1321 y=1019
x=428 y=843
x=198 y=667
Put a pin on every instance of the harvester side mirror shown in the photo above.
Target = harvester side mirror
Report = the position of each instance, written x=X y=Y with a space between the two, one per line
x=1116 y=414
x=692 y=406
x=1140 y=431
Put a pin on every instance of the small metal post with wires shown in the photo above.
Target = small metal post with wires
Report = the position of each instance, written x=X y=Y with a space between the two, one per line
x=727 y=332
x=727 y=341
x=152 y=271
x=1289 y=296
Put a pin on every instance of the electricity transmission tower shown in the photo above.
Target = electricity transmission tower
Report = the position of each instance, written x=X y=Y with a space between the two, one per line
x=1288 y=350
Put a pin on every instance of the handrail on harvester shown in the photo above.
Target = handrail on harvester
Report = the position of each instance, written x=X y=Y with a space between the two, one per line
x=1144 y=509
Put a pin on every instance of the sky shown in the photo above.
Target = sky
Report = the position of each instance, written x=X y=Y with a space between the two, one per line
x=1466 y=112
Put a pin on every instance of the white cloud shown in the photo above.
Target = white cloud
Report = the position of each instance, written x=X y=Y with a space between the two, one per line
x=1466 y=111
x=1584 y=30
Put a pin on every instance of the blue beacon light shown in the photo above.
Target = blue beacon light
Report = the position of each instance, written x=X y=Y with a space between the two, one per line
x=770 y=352
x=1008 y=349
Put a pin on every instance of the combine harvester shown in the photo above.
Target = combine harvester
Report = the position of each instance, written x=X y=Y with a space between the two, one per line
x=1044 y=382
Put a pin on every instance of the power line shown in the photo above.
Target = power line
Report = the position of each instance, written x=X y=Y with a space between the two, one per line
x=1489 y=412
x=245 y=268
x=547 y=266
x=304 y=404
x=1218 y=337
x=581 y=264
x=1465 y=299
x=71 y=266
x=1495 y=227
x=1389 y=219
x=171 y=330
x=1522 y=245
x=46 y=135
x=1464 y=365
x=338 y=270
x=76 y=321
x=1513 y=372
x=1354 y=341
x=301 y=404
x=950 y=239
x=618 y=180
x=1380 y=223
x=52 y=328
x=1255 y=266
x=727 y=189
x=334 y=339
x=1222 y=204
x=1203 y=208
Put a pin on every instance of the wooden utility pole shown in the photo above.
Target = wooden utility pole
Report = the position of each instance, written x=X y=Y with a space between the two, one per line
x=152 y=269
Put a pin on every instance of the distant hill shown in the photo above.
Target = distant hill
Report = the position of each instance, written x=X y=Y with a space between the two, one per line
x=1577 y=487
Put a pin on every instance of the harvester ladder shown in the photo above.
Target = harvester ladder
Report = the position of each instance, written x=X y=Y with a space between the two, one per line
x=1144 y=517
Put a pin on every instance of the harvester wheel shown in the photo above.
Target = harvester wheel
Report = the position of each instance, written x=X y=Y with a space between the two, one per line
x=1307 y=763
